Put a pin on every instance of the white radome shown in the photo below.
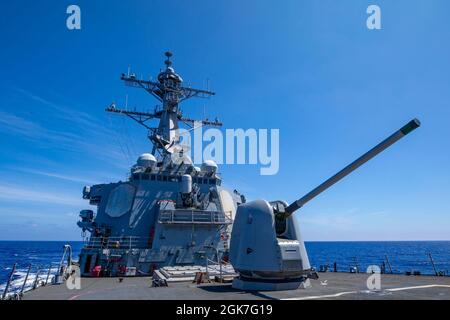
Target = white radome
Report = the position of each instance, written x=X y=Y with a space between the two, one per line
x=146 y=160
x=209 y=166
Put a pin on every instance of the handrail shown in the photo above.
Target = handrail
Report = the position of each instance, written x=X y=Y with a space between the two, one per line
x=393 y=263
x=38 y=280
x=192 y=216
x=48 y=273
x=130 y=242
x=25 y=281
x=432 y=263
x=9 y=281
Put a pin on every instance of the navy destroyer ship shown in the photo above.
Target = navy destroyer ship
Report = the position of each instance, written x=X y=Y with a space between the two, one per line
x=174 y=225
x=169 y=212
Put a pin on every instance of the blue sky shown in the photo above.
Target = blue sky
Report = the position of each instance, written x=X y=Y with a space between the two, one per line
x=310 y=68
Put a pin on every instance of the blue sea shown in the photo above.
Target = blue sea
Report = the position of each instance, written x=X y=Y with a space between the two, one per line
x=399 y=256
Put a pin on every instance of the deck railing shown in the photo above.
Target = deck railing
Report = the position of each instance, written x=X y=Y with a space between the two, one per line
x=130 y=242
x=194 y=217
x=36 y=276
x=390 y=263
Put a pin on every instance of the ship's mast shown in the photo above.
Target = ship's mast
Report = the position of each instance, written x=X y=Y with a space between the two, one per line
x=170 y=92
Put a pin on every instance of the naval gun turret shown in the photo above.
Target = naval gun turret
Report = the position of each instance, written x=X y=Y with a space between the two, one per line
x=267 y=249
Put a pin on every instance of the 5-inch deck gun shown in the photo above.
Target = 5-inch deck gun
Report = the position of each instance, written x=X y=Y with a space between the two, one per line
x=267 y=249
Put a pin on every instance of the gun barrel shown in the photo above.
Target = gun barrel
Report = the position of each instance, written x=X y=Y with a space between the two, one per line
x=408 y=128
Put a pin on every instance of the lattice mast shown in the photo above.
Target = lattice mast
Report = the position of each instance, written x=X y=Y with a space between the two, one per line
x=170 y=92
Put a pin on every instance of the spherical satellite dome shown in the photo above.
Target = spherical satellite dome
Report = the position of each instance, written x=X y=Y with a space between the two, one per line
x=209 y=166
x=146 y=160
x=147 y=156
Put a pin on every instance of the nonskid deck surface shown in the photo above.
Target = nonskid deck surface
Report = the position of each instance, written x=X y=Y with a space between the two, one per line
x=329 y=286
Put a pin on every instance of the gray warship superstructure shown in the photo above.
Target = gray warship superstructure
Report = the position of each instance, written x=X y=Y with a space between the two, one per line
x=169 y=212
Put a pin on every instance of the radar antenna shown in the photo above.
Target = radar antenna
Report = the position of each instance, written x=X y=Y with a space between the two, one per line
x=170 y=92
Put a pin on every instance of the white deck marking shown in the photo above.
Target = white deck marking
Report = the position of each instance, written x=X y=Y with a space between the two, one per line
x=336 y=295
x=420 y=287
x=324 y=296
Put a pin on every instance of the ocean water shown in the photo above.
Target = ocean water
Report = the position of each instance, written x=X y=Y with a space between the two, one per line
x=398 y=256
x=42 y=255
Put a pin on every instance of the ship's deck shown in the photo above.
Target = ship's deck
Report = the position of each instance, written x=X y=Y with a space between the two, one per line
x=329 y=286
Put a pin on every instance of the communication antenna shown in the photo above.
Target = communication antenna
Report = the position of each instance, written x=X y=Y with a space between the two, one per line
x=170 y=92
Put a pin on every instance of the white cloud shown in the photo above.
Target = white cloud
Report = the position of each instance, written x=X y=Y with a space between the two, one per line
x=80 y=179
x=65 y=112
x=347 y=220
x=99 y=144
x=15 y=193
x=15 y=124
x=85 y=177
x=10 y=123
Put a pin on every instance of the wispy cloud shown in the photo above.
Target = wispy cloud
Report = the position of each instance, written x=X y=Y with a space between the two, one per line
x=80 y=179
x=10 y=123
x=91 y=126
x=346 y=220
x=91 y=136
x=93 y=178
x=16 y=193
x=66 y=112
x=19 y=125
x=343 y=222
